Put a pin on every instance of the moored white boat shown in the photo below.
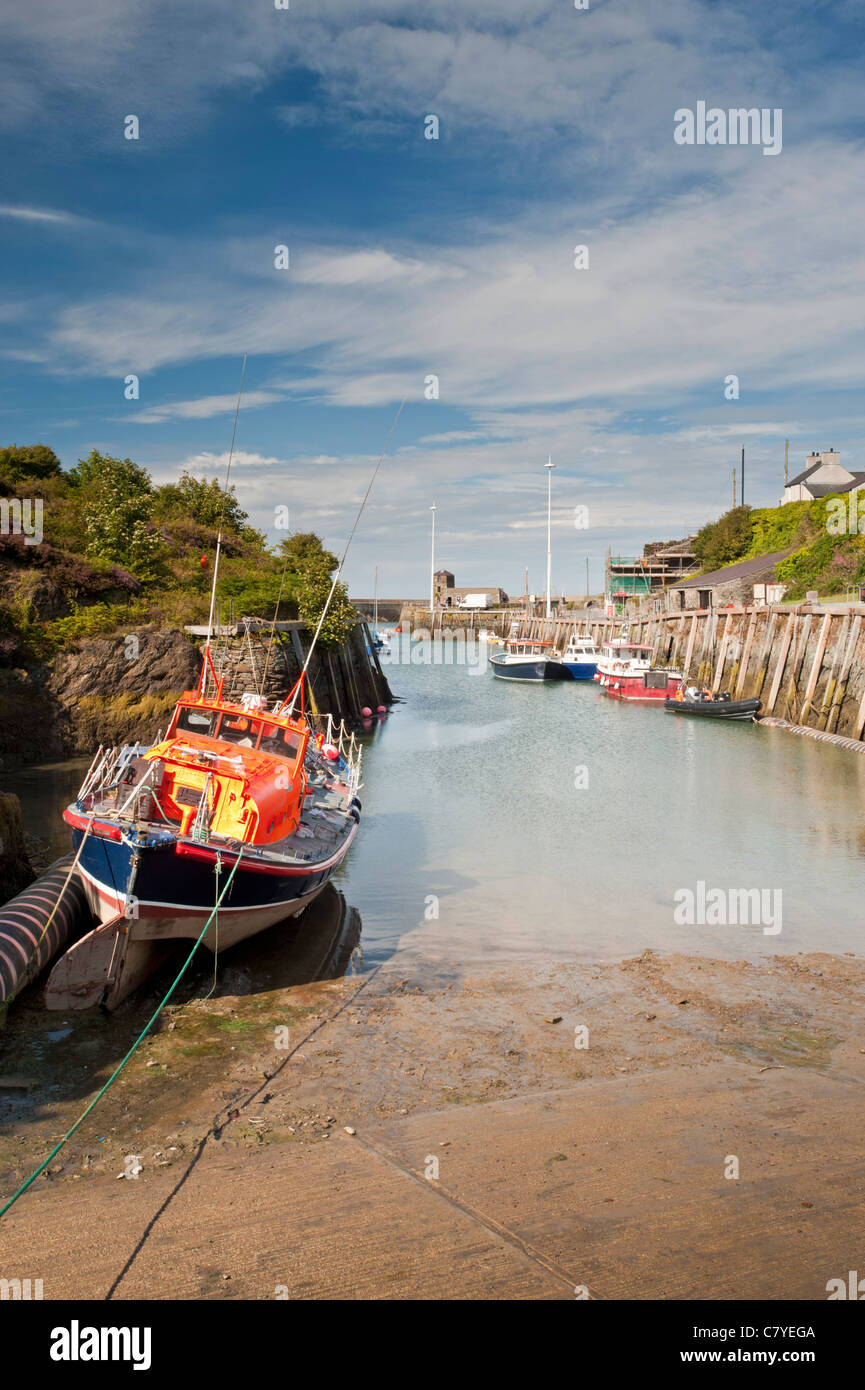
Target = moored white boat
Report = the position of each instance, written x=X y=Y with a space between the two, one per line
x=581 y=657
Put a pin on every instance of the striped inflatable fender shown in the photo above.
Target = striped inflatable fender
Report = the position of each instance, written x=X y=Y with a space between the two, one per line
x=25 y=946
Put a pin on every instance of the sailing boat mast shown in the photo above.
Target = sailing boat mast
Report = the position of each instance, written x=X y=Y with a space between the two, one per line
x=207 y=657
x=375 y=605
x=305 y=668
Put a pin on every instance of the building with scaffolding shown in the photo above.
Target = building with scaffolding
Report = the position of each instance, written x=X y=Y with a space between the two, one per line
x=661 y=563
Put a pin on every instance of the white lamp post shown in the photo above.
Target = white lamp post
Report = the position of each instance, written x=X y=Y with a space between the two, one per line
x=549 y=465
x=432 y=568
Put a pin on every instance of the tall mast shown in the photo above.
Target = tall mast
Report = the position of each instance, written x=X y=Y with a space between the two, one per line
x=298 y=687
x=219 y=533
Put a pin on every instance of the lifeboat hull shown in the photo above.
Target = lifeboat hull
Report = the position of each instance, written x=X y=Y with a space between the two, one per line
x=171 y=891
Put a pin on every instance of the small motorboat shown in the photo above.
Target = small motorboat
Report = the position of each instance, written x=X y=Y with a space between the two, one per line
x=709 y=706
x=487 y=635
x=525 y=660
x=581 y=658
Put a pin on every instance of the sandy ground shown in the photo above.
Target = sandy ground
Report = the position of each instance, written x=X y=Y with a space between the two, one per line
x=490 y=1157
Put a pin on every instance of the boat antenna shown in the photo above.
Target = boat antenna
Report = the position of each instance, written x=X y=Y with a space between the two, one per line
x=302 y=677
x=219 y=533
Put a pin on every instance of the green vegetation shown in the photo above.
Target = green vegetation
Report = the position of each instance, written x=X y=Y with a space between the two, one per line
x=824 y=556
x=725 y=540
x=115 y=550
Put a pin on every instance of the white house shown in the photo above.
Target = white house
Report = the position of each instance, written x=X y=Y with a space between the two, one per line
x=822 y=476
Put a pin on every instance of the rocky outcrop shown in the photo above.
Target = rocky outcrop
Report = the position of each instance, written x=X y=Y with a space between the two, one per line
x=114 y=689
x=28 y=731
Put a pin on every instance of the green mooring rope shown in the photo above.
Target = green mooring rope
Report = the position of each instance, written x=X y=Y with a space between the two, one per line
x=141 y=1036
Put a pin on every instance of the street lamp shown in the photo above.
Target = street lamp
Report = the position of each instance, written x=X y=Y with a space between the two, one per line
x=432 y=568
x=549 y=465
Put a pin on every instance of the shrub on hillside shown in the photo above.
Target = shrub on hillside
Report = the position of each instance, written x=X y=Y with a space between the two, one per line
x=18 y=463
x=724 y=541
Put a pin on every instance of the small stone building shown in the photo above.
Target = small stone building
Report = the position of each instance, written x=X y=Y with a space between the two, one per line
x=734 y=584
x=443 y=583
x=448 y=595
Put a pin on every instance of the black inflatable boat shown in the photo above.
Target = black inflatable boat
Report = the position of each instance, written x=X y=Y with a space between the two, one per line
x=720 y=707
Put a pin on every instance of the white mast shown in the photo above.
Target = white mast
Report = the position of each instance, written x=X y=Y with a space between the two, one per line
x=549 y=465
x=219 y=533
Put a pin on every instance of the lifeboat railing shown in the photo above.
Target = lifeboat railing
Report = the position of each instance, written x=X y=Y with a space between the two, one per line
x=107 y=768
x=344 y=740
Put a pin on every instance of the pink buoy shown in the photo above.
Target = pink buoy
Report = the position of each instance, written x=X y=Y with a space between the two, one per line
x=366 y=711
x=380 y=709
x=330 y=751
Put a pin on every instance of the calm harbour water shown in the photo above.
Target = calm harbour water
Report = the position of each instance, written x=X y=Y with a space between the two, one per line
x=470 y=796
x=471 y=811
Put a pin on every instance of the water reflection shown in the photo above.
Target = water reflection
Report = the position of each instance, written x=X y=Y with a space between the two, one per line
x=322 y=944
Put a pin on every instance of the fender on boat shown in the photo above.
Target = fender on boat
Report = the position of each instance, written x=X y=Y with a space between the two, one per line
x=25 y=945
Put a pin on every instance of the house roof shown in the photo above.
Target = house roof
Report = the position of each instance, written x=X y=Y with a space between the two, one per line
x=800 y=477
x=744 y=569
x=818 y=490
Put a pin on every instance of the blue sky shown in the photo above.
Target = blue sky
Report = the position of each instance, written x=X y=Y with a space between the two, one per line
x=454 y=257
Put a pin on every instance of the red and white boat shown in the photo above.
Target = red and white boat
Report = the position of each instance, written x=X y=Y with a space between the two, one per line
x=625 y=671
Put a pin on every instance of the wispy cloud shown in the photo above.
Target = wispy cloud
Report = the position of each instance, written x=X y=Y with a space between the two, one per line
x=41 y=215
x=201 y=409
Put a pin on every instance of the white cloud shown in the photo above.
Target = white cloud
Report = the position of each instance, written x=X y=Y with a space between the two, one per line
x=496 y=66
x=241 y=458
x=674 y=301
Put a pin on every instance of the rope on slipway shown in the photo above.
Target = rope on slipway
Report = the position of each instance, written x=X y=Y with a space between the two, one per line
x=133 y=1049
